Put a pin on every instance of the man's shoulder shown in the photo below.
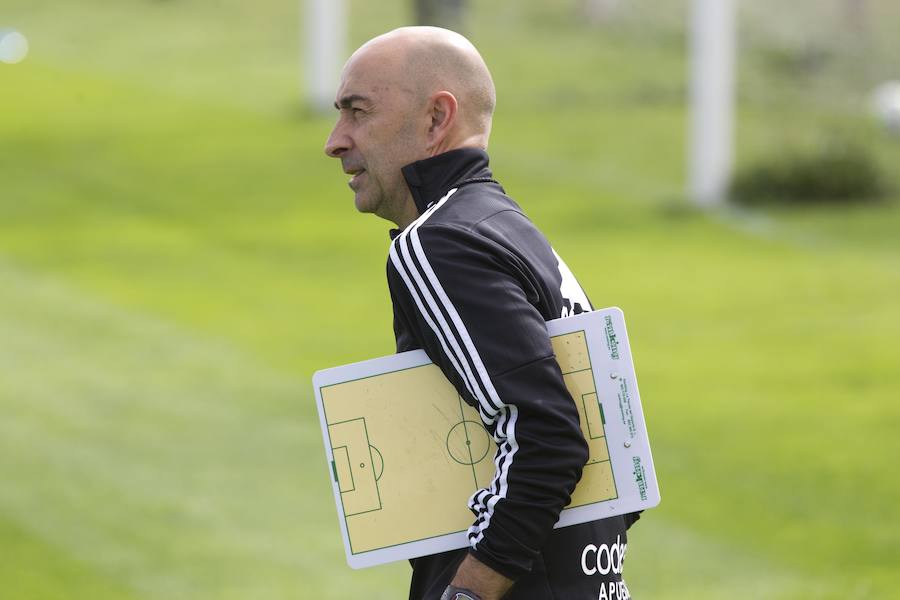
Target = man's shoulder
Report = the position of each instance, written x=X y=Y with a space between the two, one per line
x=472 y=206
x=473 y=221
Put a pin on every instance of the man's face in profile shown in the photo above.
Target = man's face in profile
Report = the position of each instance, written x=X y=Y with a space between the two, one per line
x=376 y=134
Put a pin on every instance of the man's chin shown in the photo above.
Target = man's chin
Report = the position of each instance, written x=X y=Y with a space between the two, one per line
x=364 y=204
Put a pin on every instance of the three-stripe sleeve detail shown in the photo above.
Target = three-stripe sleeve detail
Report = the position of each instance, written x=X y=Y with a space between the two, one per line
x=411 y=262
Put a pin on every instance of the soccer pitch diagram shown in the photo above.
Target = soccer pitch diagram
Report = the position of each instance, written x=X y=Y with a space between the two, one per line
x=406 y=452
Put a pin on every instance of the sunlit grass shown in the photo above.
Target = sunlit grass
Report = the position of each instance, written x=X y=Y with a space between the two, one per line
x=177 y=256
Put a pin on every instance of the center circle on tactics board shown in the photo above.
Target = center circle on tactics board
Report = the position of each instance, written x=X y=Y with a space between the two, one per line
x=468 y=442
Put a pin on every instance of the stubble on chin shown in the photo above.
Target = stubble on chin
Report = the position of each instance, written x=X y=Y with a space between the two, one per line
x=360 y=202
x=366 y=203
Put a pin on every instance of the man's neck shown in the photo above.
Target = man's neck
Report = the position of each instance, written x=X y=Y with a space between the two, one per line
x=409 y=214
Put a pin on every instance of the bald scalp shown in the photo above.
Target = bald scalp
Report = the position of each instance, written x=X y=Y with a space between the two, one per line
x=431 y=60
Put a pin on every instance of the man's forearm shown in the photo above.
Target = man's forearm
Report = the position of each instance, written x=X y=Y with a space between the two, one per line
x=476 y=576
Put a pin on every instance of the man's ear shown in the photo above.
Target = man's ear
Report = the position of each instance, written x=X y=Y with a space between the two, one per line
x=443 y=109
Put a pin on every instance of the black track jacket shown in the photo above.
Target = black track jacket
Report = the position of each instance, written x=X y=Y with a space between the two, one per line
x=472 y=283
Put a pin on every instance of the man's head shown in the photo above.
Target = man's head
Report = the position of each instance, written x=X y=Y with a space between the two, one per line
x=409 y=94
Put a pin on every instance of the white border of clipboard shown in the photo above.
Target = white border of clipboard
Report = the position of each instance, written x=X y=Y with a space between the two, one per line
x=629 y=446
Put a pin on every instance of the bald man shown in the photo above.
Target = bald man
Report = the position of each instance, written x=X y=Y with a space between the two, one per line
x=473 y=282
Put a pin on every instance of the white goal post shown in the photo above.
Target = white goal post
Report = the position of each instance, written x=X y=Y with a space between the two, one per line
x=712 y=58
x=324 y=47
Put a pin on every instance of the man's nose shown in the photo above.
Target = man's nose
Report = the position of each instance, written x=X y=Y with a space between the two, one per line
x=337 y=143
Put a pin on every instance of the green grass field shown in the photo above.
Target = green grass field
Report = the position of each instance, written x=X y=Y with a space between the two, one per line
x=177 y=256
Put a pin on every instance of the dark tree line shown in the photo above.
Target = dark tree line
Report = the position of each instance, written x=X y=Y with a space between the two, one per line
x=441 y=13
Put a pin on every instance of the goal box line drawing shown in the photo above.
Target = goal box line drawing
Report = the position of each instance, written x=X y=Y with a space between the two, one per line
x=405 y=451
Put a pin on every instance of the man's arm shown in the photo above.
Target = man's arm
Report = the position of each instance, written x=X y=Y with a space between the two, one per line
x=479 y=327
x=485 y=582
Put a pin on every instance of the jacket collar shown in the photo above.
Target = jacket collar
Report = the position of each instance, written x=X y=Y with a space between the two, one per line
x=430 y=179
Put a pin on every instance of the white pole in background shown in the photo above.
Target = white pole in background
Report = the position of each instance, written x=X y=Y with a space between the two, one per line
x=326 y=34
x=712 y=48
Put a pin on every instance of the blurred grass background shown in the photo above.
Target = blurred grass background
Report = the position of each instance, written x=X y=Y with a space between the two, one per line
x=177 y=256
